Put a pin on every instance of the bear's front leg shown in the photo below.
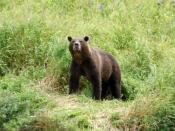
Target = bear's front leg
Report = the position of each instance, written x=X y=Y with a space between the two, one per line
x=74 y=78
x=97 y=89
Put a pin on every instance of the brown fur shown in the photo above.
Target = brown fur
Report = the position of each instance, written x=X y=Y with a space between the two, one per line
x=99 y=67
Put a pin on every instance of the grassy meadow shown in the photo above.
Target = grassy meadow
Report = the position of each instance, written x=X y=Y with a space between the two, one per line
x=34 y=64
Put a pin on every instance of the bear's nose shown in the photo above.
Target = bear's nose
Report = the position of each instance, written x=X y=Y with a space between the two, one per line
x=76 y=44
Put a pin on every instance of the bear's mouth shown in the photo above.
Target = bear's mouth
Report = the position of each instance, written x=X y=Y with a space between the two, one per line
x=76 y=48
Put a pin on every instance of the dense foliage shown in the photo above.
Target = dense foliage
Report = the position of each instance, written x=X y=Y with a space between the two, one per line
x=34 y=64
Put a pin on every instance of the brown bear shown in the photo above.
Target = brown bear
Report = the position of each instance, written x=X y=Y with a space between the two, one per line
x=99 y=67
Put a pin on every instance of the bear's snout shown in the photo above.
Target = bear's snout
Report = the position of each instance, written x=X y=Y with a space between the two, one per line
x=77 y=46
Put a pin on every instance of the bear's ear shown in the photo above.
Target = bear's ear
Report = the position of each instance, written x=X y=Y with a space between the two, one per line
x=86 y=38
x=69 y=38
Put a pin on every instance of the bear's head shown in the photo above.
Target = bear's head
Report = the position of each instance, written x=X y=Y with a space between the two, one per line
x=79 y=48
x=77 y=44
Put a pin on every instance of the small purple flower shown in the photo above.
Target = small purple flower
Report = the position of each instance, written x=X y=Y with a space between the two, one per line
x=101 y=7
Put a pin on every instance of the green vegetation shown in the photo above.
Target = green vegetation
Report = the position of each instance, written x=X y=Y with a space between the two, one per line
x=34 y=64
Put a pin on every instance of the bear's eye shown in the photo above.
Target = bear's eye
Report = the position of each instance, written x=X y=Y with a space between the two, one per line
x=81 y=41
x=73 y=41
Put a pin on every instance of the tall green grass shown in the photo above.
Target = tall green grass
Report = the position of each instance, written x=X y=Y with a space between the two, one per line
x=34 y=49
x=18 y=102
x=23 y=45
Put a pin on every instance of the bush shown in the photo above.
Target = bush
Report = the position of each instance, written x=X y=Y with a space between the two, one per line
x=23 y=45
x=17 y=103
x=58 y=65
x=152 y=112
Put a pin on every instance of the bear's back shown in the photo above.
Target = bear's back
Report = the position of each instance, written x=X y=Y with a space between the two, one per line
x=108 y=64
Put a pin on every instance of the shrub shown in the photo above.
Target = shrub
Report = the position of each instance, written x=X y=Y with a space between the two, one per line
x=23 y=45
x=17 y=103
